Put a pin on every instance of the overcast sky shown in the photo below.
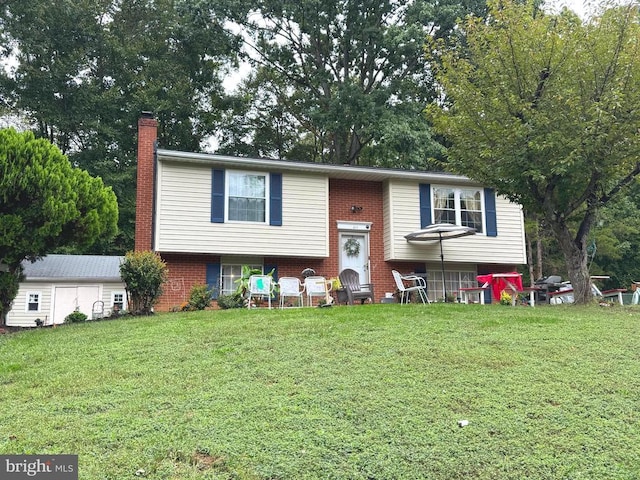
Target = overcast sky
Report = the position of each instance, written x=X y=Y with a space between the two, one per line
x=585 y=7
x=578 y=6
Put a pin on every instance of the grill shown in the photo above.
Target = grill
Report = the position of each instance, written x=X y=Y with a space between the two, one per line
x=545 y=285
x=308 y=272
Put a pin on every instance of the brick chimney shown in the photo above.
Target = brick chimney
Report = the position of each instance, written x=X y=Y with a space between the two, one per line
x=147 y=136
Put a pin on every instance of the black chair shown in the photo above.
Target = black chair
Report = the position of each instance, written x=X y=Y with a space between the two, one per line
x=350 y=281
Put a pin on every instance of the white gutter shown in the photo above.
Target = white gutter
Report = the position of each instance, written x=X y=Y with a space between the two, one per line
x=332 y=171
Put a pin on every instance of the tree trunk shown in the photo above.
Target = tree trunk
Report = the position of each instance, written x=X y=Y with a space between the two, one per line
x=530 y=260
x=9 y=285
x=575 y=255
x=539 y=253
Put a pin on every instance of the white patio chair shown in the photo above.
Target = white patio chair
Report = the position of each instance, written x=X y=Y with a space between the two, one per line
x=291 y=287
x=97 y=310
x=260 y=286
x=316 y=286
x=419 y=285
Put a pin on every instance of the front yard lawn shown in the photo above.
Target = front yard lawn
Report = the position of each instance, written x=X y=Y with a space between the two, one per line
x=363 y=392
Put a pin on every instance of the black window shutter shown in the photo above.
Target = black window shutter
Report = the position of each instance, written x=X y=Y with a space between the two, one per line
x=217 y=196
x=275 y=194
x=268 y=268
x=425 y=205
x=490 y=212
x=213 y=278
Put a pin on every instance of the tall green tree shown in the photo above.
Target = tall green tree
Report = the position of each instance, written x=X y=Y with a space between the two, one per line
x=45 y=203
x=345 y=82
x=615 y=240
x=86 y=69
x=544 y=108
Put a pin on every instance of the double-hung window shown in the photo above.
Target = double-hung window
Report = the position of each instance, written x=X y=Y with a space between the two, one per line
x=117 y=301
x=453 y=282
x=33 y=301
x=247 y=196
x=240 y=196
x=459 y=206
x=230 y=274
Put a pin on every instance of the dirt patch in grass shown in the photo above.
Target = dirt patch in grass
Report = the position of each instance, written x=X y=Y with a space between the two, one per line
x=7 y=330
x=204 y=461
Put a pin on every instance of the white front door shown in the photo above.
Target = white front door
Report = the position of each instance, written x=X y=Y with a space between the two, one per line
x=354 y=254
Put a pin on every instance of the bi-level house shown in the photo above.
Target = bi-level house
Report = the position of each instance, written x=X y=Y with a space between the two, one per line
x=207 y=215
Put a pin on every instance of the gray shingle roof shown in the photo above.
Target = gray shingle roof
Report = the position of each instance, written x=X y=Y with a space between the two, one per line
x=74 y=267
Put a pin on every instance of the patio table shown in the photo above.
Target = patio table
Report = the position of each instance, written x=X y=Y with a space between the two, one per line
x=565 y=295
x=465 y=292
x=503 y=281
x=615 y=293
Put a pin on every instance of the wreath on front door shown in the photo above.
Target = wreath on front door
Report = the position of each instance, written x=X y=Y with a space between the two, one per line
x=352 y=247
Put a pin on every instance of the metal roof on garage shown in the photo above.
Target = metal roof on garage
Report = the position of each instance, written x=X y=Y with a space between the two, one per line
x=101 y=268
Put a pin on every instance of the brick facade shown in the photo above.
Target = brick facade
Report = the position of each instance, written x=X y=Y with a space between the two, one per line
x=185 y=271
x=147 y=136
x=343 y=194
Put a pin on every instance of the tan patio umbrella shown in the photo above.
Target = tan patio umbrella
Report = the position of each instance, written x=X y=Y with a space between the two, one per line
x=440 y=231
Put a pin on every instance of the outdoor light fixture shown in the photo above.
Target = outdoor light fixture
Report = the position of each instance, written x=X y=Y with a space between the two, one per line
x=355 y=208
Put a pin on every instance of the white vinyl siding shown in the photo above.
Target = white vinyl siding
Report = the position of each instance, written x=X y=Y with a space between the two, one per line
x=19 y=316
x=183 y=218
x=387 y=209
x=111 y=293
x=403 y=216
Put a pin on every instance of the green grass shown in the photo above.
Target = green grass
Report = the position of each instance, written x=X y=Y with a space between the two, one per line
x=366 y=392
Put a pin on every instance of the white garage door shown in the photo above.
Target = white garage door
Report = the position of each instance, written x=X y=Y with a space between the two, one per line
x=67 y=299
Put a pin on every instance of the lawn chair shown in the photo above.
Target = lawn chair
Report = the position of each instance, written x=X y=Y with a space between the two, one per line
x=350 y=281
x=260 y=286
x=316 y=286
x=419 y=285
x=97 y=310
x=290 y=287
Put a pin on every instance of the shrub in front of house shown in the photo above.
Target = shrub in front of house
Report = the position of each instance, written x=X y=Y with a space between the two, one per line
x=116 y=313
x=505 y=298
x=235 y=300
x=143 y=273
x=200 y=297
x=75 y=317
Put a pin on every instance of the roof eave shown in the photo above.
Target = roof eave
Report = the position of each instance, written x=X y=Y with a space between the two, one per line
x=347 y=172
x=74 y=279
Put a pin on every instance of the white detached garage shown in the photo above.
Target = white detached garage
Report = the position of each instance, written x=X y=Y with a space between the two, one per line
x=58 y=285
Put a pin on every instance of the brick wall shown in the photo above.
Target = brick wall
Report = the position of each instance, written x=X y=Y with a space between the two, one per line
x=147 y=135
x=184 y=271
x=343 y=194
